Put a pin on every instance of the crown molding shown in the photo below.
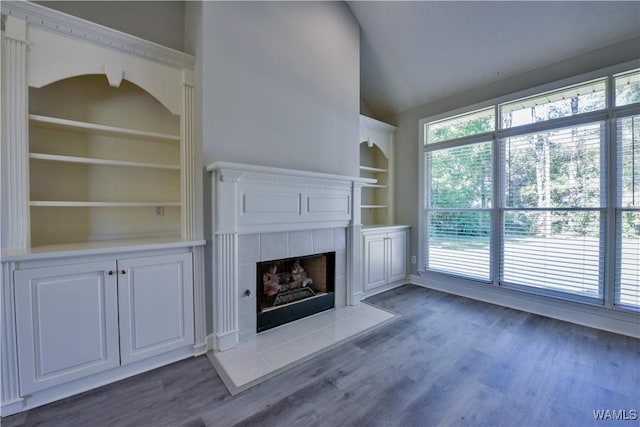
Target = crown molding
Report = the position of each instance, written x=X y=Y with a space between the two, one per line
x=376 y=124
x=70 y=26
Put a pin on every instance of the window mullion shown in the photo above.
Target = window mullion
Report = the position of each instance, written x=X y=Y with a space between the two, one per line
x=496 y=212
x=610 y=176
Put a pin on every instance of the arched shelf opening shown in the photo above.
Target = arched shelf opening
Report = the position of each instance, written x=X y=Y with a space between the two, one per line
x=104 y=163
x=375 y=197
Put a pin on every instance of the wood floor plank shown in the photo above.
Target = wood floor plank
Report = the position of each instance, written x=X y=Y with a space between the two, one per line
x=447 y=361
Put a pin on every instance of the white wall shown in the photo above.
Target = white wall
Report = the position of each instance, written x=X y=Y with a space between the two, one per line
x=157 y=21
x=281 y=85
x=407 y=138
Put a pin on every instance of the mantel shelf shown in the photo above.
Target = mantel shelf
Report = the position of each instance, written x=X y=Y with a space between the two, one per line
x=372 y=169
x=95 y=161
x=373 y=206
x=59 y=204
x=56 y=123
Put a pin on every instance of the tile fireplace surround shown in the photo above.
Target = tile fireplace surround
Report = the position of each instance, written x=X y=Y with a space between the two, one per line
x=263 y=213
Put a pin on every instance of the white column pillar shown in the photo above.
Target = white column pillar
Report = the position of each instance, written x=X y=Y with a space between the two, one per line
x=14 y=192
x=225 y=293
x=355 y=287
x=200 y=315
x=14 y=155
x=10 y=399
x=225 y=259
x=191 y=197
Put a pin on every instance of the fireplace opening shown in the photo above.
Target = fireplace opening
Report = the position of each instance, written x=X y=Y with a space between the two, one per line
x=292 y=288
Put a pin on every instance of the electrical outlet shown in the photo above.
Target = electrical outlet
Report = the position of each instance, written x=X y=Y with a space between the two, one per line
x=413 y=259
x=159 y=210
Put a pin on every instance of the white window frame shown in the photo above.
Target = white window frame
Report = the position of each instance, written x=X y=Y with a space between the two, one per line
x=609 y=115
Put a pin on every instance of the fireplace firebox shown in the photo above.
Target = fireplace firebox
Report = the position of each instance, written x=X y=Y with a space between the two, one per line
x=292 y=288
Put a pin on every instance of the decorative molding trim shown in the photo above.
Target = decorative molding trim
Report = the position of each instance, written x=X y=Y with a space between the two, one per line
x=15 y=137
x=283 y=227
x=226 y=341
x=225 y=292
x=200 y=349
x=281 y=176
x=354 y=265
x=257 y=199
x=210 y=342
x=10 y=388
x=199 y=306
x=376 y=124
x=384 y=288
x=71 y=26
x=379 y=133
x=188 y=161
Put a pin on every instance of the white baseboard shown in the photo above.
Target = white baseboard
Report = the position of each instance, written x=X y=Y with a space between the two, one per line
x=225 y=341
x=617 y=321
x=71 y=388
x=10 y=408
x=384 y=288
x=200 y=349
x=209 y=342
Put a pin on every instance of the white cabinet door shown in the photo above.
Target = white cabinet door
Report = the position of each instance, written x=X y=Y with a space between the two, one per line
x=375 y=273
x=156 y=305
x=397 y=256
x=67 y=323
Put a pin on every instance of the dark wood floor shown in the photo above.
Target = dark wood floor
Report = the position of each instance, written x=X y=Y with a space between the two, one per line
x=447 y=361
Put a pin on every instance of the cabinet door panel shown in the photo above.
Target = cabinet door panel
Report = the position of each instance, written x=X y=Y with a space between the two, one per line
x=67 y=325
x=397 y=246
x=374 y=261
x=156 y=305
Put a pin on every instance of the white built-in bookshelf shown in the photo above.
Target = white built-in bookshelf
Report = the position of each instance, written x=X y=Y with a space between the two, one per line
x=376 y=161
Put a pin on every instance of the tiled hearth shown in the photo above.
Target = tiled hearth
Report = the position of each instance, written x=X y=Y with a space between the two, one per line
x=259 y=357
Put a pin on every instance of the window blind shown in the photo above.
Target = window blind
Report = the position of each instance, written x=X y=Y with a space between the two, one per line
x=459 y=215
x=551 y=219
x=628 y=212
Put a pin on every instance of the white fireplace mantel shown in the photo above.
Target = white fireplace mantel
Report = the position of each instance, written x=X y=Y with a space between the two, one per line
x=258 y=199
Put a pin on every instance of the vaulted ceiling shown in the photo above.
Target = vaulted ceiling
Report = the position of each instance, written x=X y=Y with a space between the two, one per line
x=413 y=53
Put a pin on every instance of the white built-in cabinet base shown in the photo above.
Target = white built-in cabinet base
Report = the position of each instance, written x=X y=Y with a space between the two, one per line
x=384 y=257
x=101 y=231
x=86 y=320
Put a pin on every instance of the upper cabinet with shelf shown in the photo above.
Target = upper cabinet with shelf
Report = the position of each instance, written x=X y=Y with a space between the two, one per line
x=376 y=161
x=98 y=138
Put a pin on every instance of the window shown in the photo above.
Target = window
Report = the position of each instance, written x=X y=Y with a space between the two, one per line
x=468 y=124
x=521 y=194
x=627 y=88
x=567 y=102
